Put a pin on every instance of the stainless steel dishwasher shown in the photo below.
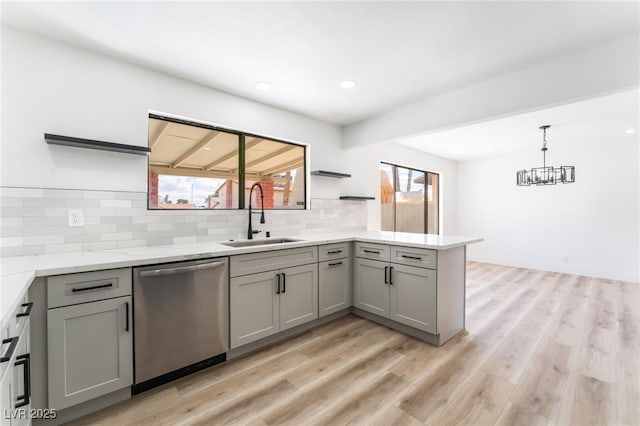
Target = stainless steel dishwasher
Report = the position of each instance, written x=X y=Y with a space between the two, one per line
x=180 y=318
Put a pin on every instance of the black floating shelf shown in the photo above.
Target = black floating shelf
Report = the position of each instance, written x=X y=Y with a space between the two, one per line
x=330 y=174
x=93 y=144
x=356 y=197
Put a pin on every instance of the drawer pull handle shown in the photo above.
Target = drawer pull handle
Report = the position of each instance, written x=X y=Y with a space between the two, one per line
x=371 y=251
x=13 y=342
x=93 y=287
x=411 y=257
x=284 y=283
x=334 y=252
x=25 y=361
x=181 y=269
x=126 y=318
x=391 y=275
x=335 y=264
x=278 y=279
x=386 y=280
x=27 y=311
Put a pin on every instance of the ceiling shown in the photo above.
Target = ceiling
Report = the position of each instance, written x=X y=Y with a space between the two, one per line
x=398 y=52
x=608 y=119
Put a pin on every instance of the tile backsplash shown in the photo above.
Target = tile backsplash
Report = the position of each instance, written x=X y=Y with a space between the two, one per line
x=34 y=221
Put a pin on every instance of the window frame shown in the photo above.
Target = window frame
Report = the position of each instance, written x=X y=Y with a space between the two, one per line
x=394 y=184
x=242 y=135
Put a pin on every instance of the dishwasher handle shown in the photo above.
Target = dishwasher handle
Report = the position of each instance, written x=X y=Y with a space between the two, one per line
x=181 y=269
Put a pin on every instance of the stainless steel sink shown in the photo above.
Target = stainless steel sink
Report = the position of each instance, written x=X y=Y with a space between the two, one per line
x=268 y=241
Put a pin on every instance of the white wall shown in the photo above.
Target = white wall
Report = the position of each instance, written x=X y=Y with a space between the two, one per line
x=56 y=88
x=590 y=227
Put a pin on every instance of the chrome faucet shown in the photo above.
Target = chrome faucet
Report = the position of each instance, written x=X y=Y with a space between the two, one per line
x=250 y=230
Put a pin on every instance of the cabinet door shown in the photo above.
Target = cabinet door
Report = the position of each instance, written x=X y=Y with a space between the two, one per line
x=371 y=292
x=21 y=376
x=298 y=295
x=334 y=286
x=89 y=350
x=413 y=297
x=6 y=398
x=254 y=308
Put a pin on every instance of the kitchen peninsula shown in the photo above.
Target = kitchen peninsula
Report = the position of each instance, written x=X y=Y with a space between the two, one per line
x=414 y=283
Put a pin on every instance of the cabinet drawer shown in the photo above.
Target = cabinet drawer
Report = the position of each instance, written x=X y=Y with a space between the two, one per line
x=373 y=251
x=423 y=258
x=251 y=263
x=333 y=251
x=63 y=290
x=16 y=321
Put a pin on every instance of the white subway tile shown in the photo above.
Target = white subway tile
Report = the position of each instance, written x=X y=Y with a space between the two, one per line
x=131 y=243
x=119 y=204
x=100 y=212
x=11 y=222
x=102 y=245
x=11 y=241
x=21 y=192
x=184 y=240
x=131 y=196
x=63 y=248
x=56 y=211
x=159 y=227
x=63 y=193
x=14 y=201
x=43 y=239
x=145 y=219
x=116 y=236
x=101 y=195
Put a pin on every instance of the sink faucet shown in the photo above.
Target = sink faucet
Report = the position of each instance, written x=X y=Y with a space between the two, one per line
x=250 y=230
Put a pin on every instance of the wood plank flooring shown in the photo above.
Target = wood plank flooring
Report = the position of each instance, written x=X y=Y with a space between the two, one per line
x=539 y=348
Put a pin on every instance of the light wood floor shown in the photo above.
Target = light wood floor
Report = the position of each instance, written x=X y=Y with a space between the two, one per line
x=540 y=348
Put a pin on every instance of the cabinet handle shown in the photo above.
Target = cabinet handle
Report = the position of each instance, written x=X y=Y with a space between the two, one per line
x=386 y=281
x=126 y=316
x=335 y=263
x=391 y=275
x=411 y=257
x=27 y=311
x=93 y=287
x=371 y=251
x=25 y=361
x=334 y=252
x=284 y=283
x=278 y=279
x=13 y=342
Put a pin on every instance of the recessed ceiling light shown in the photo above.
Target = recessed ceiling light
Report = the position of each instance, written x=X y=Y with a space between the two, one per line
x=630 y=131
x=348 y=84
x=263 y=85
x=207 y=148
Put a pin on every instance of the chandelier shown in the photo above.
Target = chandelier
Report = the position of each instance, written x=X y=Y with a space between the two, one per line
x=545 y=175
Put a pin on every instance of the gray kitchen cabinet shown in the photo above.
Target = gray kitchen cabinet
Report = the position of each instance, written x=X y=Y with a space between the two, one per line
x=6 y=398
x=371 y=290
x=89 y=336
x=15 y=368
x=334 y=278
x=255 y=310
x=89 y=350
x=413 y=297
x=266 y=303
x=402 y=293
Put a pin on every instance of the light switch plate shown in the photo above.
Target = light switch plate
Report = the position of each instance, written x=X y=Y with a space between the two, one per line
x=75 y=217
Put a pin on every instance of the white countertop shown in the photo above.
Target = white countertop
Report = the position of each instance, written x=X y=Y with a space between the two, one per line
x=17 y=273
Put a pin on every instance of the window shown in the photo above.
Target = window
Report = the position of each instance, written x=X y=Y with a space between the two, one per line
x=409 y=199
x=196 y=166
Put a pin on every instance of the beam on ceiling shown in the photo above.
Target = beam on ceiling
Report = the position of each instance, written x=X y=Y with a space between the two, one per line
x=270 y=155
x=154 y=140
x=602 y=70
x=211 y=135
x=253 y=142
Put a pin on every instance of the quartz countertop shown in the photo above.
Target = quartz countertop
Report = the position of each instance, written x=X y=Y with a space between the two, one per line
x=18 y=272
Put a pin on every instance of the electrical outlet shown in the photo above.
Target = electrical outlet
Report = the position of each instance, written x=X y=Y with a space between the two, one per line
x=75 y=218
